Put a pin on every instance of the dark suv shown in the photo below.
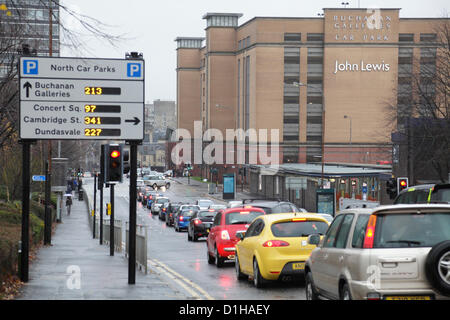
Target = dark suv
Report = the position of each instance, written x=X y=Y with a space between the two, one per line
x=273 y=206
x=424 y=193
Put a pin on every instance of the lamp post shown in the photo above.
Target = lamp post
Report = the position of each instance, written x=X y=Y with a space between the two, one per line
x=299 y=84
x=351 y=149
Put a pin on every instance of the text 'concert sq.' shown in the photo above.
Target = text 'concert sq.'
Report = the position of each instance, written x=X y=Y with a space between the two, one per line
x=79 y=98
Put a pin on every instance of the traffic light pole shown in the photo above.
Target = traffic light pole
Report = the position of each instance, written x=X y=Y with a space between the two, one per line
x=111 y=221
x=95 y=205
x=132 y=218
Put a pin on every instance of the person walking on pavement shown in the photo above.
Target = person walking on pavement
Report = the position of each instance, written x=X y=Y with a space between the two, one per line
x=69 y=204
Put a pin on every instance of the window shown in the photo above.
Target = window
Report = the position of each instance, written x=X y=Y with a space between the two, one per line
x=360 y=231
x=298 y=228
x=255 y=228
x=217 y=219
x=314 y=37
x=344 y=231
x=428 y=37
x=241 y=217
x=406 y=37
x=292 y=37
x=411 y=230
x=332 y=232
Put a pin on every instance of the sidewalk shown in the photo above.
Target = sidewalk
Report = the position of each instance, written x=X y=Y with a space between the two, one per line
x=102 y=277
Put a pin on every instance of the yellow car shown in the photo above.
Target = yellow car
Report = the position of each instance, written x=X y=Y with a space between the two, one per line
x=275 y=246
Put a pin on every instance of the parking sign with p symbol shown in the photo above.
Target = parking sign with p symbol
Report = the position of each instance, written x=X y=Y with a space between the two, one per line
x=134 y=70
x=30 y=66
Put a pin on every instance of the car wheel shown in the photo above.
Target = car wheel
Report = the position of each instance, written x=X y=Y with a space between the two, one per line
x=210 y=259
x=155 y=186
x=218 y=260
x=194 y=237
x=239 y=274
x=437 y=267
x=258 y=280
x=311 y=293
x=167 y=186
x=189 y=235
x=345 y=292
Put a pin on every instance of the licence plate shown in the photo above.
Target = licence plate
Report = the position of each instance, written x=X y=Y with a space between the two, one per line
x=408 y=298
x=298 y=266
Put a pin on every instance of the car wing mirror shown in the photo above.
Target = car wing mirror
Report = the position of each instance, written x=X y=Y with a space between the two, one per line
x=314 y=239
x=240 y=235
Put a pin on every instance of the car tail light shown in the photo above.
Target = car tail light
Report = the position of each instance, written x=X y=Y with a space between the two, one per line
x=211 y=210
x=275 y=243
x=370 y=232
x=224 y=235
x=181 y=218
x=197 y=221
x=164 y=209
x=298 y=219
x=151 y=197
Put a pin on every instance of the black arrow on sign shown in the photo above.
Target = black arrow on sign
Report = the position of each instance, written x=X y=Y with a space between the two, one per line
x=28 y=86
x=135 y=120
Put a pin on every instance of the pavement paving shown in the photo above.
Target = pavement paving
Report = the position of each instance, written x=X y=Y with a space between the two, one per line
x=77 y=267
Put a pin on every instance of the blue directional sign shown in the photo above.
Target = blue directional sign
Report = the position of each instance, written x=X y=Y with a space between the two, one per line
x=38 y=178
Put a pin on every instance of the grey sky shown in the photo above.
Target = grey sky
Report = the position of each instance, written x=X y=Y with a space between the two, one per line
x=152 y=26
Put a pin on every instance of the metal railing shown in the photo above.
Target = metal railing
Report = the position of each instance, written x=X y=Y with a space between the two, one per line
x=141 y=245
x=117 y=233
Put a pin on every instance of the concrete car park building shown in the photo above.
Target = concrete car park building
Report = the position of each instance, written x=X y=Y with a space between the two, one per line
x=323 y=82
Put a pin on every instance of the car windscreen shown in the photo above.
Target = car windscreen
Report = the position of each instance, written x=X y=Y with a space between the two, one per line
x=411 y=230
x=162 y=200
x=207 y=214
x=187 y=213
x=241 y=217
x=298 y=228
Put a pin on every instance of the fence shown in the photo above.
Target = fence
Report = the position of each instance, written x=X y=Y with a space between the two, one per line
x=141 y=246
x=141 y=235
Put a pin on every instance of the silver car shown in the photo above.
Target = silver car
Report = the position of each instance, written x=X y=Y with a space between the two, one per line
x=399 y=252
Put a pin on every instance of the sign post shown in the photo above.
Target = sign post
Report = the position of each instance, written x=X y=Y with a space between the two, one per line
x=80 y=99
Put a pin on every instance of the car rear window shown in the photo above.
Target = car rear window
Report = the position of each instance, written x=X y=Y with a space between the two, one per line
x=187 y=213
x=241 y=217
x=411 y=230
x=203 y=214
x=162 y=200
x=266 y=209
x=298 y=228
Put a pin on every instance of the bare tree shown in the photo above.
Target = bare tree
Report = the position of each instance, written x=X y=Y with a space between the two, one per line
x=422 y=108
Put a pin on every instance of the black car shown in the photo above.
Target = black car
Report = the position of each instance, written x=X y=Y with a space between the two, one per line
x=152 y=196
x=200 y=223
x=146 y=196
x=273 y=206
x=140 y=192
x=424 y=193
x=171 y=211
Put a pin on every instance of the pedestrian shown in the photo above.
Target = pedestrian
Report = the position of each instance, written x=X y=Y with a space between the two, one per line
x=69 y=204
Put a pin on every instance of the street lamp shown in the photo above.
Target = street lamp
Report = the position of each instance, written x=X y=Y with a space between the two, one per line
x=299 y=84
x=351 y=149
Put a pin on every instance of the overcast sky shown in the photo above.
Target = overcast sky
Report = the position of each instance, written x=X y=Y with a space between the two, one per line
x=152 y=26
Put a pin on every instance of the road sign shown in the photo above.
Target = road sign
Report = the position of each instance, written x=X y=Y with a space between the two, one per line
x=78 y=98
x=38 y=178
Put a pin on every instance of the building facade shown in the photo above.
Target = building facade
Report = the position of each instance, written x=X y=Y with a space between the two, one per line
x=324 y=83
x=28 y=22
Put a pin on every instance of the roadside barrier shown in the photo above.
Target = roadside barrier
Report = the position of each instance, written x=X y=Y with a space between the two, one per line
x=117 y=233
x=141 y=246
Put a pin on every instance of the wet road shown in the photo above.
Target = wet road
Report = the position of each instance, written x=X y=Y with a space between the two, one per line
x=184 y=262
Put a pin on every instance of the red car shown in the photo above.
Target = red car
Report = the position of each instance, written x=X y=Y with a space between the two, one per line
x=222 y=236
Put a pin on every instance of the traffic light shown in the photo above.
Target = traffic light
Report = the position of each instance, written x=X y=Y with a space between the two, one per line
x=114 y=163
x=391 y=188
x=402 y=184
x=126 y=161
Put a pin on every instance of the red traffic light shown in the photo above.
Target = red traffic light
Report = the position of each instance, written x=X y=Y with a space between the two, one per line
x=115 y=154
x=403 y=183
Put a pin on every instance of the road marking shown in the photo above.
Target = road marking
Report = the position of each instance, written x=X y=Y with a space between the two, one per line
x=177 y=277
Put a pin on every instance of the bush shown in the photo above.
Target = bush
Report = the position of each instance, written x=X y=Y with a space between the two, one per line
x=10 y=235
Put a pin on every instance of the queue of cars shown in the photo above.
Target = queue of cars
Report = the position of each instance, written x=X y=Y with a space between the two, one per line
x=396 y=252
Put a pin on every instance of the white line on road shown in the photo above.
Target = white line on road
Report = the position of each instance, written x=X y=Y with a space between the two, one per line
x=176 y=276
